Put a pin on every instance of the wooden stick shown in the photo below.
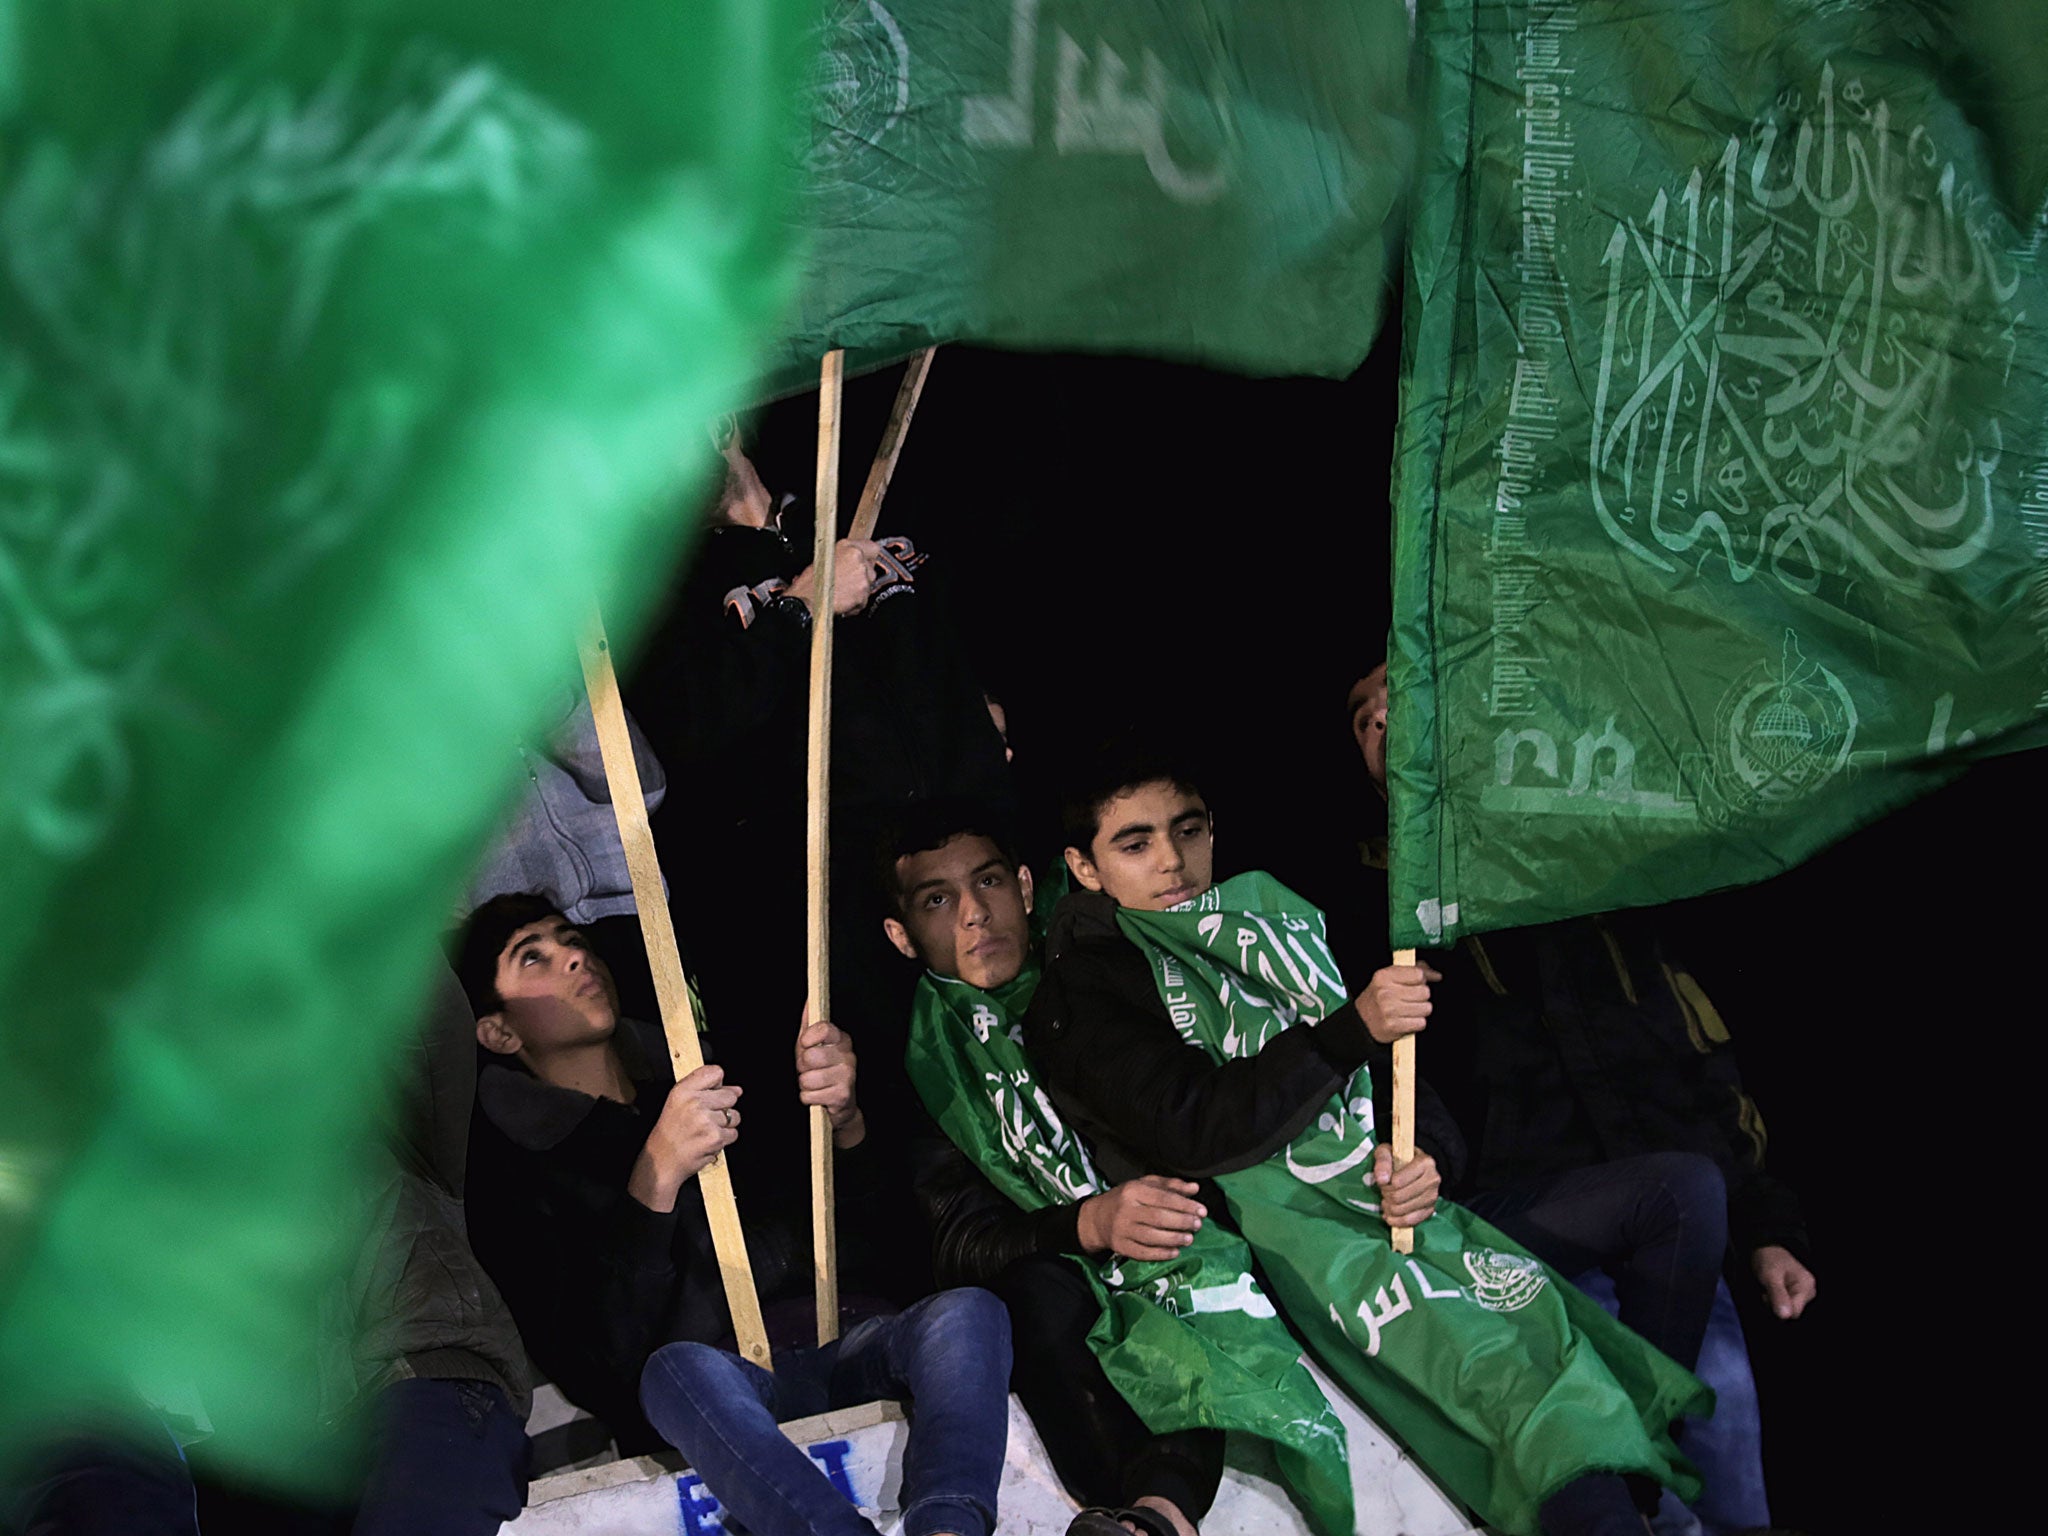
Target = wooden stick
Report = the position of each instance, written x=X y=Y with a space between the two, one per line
x=824 y=1236
x=1404 y=1110
x=678 y=1018
x=884 y=468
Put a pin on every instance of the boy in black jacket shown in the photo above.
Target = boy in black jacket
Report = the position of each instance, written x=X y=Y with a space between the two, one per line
x=961 y=905
x=1139 y=836
x=584 y=1206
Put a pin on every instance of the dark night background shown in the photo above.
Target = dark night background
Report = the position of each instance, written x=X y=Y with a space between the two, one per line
x=1135 y=541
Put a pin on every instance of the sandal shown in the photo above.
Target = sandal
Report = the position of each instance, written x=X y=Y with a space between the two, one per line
x=1103 y=1521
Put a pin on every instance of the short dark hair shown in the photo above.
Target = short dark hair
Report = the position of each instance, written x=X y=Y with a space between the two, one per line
x=1114 y=774
x=925 y=825
x=482 y=939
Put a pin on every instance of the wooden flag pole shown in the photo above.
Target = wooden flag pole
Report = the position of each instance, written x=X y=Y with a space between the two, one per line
x=1404 y=1110
x=880 y=472
x=824 y=1236
x=678 y=1018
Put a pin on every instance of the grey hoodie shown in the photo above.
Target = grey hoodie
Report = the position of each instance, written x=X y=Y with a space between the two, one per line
x=563 y=841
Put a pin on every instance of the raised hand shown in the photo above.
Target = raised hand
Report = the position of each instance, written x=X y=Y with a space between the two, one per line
x=1396 y=1001
x=698 y=1121
x=825 y=1075
x=854 y=562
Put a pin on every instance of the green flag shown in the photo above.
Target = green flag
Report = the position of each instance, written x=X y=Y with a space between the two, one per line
x=1202 y=179
x=1505 y=1381
x=349 y=351
x=1190 y=1342
x=1722 y=503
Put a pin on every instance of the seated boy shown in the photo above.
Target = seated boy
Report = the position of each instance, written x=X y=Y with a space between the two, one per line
x=1202 y=1030
x=961 y=905
x=584 y=1206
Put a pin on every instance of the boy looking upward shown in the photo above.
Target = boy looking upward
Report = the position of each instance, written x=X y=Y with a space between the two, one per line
x=585 y=1207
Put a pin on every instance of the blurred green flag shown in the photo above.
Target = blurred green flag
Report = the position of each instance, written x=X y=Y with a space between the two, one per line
x=1211 y=180
x=1722 y=503
x=348 y=350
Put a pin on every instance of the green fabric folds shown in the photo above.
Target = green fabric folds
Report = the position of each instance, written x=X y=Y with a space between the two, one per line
x=1504 y=1379
x=1191 y=1342
x=1722 y=476
x=1184 y=178
x=349 y=350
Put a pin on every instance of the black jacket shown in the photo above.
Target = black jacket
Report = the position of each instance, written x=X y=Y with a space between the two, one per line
x=1147 y=1102
x=596 y=1280
x=977 y=1230
x=721 y=689
x=1583 y=1041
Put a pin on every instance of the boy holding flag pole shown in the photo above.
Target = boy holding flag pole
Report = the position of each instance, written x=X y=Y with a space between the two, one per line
x=1202 y=1029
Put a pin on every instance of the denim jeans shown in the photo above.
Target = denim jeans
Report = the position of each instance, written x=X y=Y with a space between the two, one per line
x=450 y=1461
x=104 y=1484
x=948 y=1357
x=1727 y=1448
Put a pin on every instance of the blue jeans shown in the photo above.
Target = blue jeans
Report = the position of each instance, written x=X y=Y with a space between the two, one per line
x=101 y=1483
x=1728 y=1448
x=948 y=1357
x=450 y=1461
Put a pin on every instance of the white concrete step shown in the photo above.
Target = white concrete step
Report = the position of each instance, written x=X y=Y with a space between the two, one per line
x=861 y=1449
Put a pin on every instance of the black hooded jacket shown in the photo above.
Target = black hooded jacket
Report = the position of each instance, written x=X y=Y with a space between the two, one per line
x=596 y=1280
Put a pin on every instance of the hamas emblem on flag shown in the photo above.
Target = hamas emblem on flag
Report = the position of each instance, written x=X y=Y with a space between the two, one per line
x=858 y=90
x=1503 y=1282
x=1784 y=730
x=1802 y=355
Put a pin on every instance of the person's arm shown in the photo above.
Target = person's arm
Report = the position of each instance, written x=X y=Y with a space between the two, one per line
x=729 y=662
x=1765 y=1221
x=1179 y=1111
x=977 y=1231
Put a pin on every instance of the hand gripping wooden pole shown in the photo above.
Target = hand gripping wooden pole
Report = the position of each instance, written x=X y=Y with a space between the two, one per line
x=678 y=1018
x=824 y=1237
x=1404 y=1110
x=884 y=467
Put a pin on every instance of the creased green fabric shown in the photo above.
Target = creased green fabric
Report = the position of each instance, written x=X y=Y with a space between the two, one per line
x=1505 y=1380
x=349 y=350
x=1190 y=1342
x=1210 y=181
x=1722 y=474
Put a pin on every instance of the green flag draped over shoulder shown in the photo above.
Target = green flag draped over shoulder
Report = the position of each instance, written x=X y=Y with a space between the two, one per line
x=1213 y=180
x=1722 y=504
x=1190 y=1342
x=1504 y=1380
x=349 y=351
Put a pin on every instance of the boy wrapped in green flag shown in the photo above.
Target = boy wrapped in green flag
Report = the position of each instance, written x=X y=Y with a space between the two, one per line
x=1127 y=1269
x=1176 y=1026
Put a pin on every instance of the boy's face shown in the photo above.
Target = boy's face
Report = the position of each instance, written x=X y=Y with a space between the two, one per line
x=1152 y=849
x=556 y=993
x=965 y=912
x=1368 y=704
